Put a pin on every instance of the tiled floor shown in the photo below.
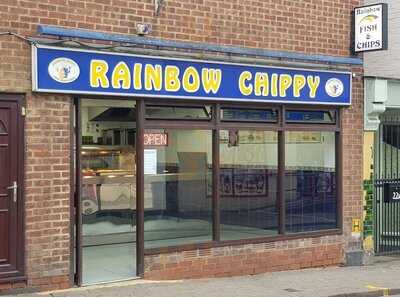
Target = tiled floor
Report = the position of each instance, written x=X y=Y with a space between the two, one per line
x=108 y=263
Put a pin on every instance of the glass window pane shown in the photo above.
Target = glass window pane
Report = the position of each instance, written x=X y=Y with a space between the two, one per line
x=248 y=184
x=310 y=181
x=177 y=187
x=108 y=193
x=249 y=115
x=312 y=116
x=178 y=112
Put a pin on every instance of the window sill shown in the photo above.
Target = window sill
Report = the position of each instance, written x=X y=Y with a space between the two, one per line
x=214 y=244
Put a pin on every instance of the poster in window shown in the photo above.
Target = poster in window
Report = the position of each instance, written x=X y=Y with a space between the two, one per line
x=325 y=182
x=225 y=183
x=150 y=161
x=236 y=183
x=250 y=182
x=303 y=137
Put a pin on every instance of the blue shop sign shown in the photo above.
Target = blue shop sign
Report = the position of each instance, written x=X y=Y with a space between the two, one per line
x=77 y=71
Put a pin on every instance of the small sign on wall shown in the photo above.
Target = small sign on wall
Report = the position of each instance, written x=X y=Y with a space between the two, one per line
x=356 y=225
x=370 y=28
x=391 y=192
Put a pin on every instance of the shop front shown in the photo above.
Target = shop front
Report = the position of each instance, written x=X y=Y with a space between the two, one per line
x=175 y=156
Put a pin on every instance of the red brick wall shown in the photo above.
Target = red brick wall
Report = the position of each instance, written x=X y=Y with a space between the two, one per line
x=247 y=259
x=313 y=27
x=47 y=188
x=318 y=26
x=353 y=125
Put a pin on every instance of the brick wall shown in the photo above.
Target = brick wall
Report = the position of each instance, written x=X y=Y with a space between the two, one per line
x=246 y=259
x=304 y=26
x=47 y=188
x=313 y=27
x=353 y=125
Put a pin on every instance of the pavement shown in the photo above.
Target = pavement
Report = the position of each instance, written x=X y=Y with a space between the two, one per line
x=380 y=278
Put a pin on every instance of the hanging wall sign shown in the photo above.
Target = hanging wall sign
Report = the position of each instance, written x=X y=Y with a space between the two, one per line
x=370 y=28
x=75 y=71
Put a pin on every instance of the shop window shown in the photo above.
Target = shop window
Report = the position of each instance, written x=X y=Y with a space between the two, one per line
x=177 y=187
x=156 y=112
x=248 y=184
x=178 y=183
x=310 y=181
x=178 y=165
x=313 y=116
x=249 y=115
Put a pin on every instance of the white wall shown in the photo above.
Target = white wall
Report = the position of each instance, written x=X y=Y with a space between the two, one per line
x=297 y=154
x=313 y=155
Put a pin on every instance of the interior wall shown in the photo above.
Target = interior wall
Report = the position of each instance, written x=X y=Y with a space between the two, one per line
x=318 y=154
x=92 y=108
x=314 y=155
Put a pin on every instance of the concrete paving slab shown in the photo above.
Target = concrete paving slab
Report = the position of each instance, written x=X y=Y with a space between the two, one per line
x=379 y=279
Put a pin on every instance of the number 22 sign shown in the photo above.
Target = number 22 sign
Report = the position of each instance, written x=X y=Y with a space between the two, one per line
x=391 y=193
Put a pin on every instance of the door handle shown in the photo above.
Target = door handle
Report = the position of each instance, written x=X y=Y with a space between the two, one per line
x=14 y=187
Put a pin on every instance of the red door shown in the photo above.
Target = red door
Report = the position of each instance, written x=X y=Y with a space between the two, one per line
x=11 y=252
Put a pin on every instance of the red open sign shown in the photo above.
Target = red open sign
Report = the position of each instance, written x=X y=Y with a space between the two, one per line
x=156 y=139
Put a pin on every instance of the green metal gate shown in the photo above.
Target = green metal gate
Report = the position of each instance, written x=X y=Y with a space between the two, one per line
x=387 y=176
